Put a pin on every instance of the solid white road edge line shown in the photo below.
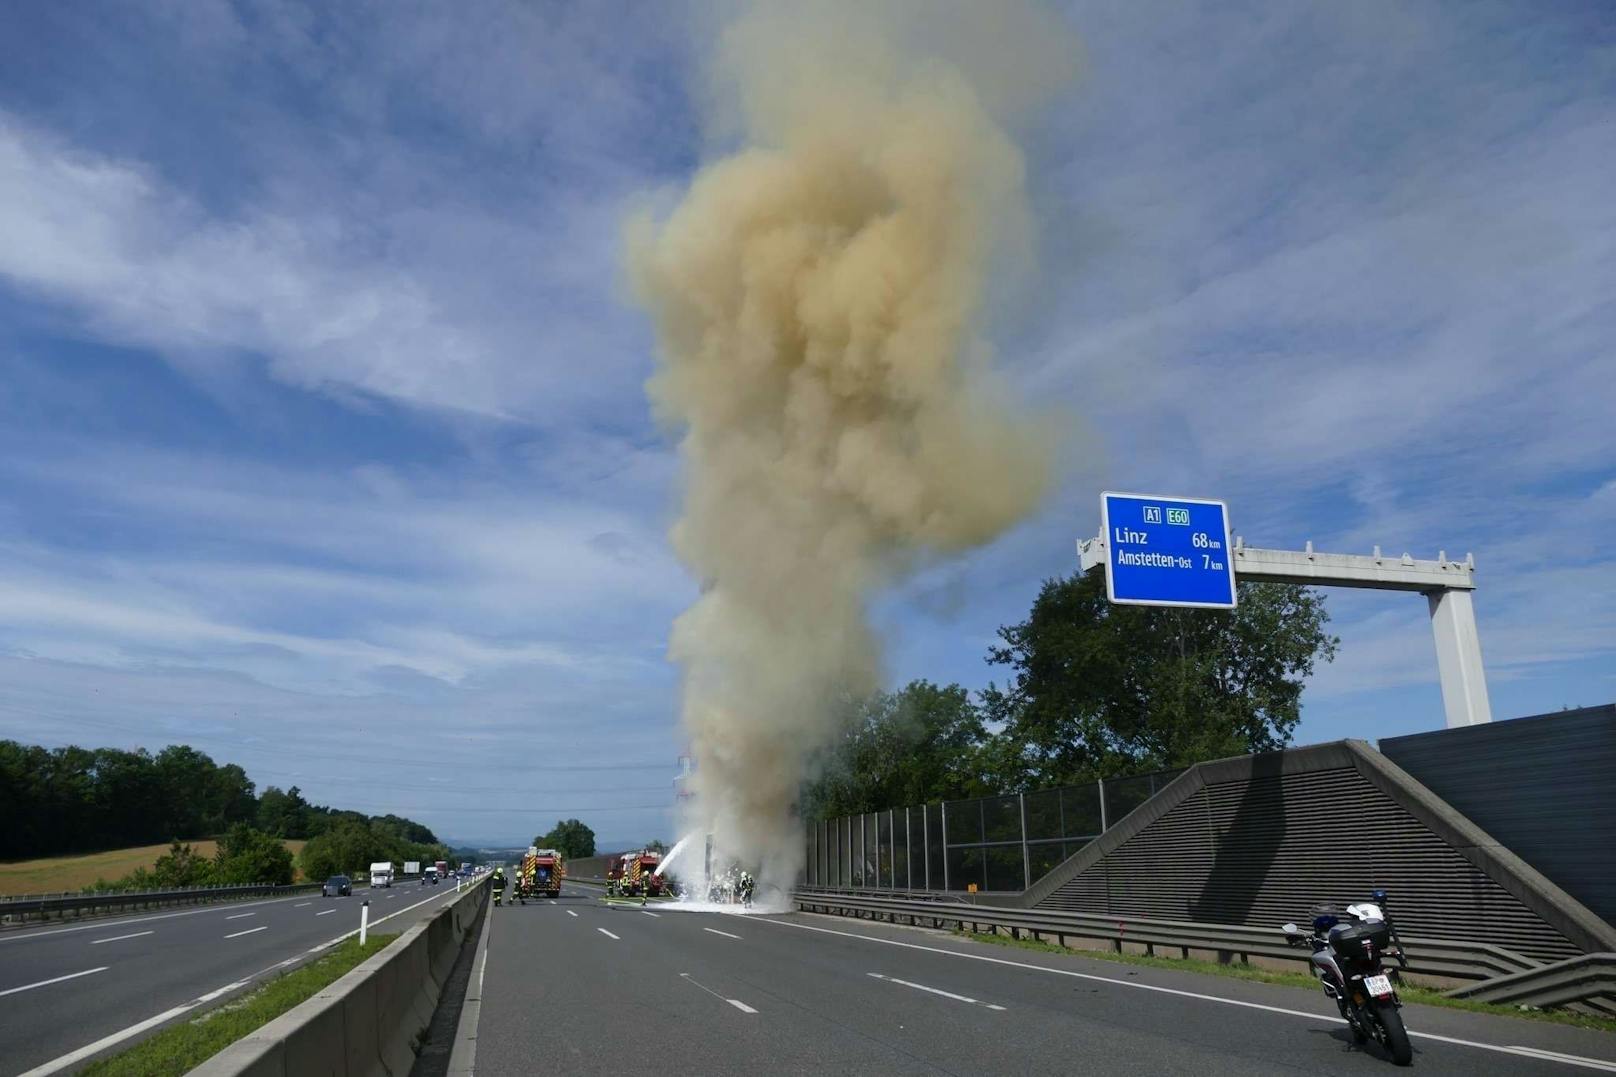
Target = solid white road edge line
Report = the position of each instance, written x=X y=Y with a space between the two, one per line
x=936 y=991
x=219 y=992
x=120 y=938
x=1527 y=1052
x=56 y=1065
x=249 y=931
x=608 y=934
x=463 y=1054
x=57 y=980
x=726 y=934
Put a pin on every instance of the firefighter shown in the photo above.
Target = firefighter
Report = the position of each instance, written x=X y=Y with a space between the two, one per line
x=746 y=888
x=499 y=885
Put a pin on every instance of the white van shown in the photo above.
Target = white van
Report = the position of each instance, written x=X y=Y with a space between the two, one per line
x=381 y=874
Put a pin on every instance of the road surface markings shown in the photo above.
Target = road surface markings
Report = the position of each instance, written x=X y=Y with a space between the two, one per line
x=936 y=991
x=571 y=913
x=726 y=934
x=249 y=931
x=57 y=980
x=608 y=934
x=102 y=926
x=1560 y=1056
x=655 y=914
x=225 y=990
x=58 y=1064
x=737 y=1003
x=328 y=912
x=72 y=1058
x=120 y=938
x=1526 y=1052
x=300 y=904
x=241 y=915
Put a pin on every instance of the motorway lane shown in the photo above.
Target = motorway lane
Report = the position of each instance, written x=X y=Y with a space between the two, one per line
x=152 y=963
x=598 y=989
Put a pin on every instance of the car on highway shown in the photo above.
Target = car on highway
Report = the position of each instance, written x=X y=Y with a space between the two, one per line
x=337 y=886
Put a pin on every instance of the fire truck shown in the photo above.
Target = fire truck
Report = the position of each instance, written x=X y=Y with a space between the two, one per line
x=540 y=874
x=634 y=874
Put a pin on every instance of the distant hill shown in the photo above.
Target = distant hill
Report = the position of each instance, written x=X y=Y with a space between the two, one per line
x=60 y=801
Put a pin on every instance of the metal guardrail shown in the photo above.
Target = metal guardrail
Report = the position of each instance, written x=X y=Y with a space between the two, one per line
x=1588 y=980
x=42 y=906
x=1227 y=942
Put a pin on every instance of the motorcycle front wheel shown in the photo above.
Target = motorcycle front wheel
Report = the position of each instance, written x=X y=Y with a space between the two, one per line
x=1395 y=1035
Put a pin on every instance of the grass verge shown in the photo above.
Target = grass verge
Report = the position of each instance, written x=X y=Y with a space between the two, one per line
x=181 y=1048
x=1408 y=992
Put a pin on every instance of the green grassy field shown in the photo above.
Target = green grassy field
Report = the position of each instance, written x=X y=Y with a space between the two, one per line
x=65 y=874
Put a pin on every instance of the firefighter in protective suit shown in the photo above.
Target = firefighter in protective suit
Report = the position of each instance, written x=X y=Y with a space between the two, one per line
x=498 y=885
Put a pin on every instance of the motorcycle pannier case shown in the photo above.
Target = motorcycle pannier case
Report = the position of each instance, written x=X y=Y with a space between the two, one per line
x=1349 y=941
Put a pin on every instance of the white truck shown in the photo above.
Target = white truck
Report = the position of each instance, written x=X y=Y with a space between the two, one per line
x=381 y=874
x=412 y=867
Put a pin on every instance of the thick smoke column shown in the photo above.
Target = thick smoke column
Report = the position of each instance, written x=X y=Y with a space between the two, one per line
x=815 y=296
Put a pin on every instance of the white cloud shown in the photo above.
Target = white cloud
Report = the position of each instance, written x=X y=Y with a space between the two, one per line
x=1346 y=265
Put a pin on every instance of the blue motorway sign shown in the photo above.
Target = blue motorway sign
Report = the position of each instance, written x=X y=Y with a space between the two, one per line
x=1167 y=551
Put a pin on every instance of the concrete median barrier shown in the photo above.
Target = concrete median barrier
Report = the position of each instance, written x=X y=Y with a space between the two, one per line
x=368 y=1022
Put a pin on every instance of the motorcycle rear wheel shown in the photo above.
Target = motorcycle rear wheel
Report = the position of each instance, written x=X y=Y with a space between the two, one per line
x=1396 y=1036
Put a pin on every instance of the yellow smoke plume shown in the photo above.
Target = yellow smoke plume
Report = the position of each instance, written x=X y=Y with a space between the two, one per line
x=817 y=296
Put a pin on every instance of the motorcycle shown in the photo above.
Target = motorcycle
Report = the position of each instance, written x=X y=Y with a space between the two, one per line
x=1350 y=947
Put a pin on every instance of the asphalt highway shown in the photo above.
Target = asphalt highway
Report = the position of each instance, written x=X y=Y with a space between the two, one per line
x=67 y=993
x=576 y=986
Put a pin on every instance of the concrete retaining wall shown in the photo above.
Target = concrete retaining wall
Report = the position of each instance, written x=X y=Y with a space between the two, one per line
x=366 y=1023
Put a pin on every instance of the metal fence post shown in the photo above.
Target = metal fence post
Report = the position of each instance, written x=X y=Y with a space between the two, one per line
x=945 y=845
x=908 y=854
x=925 y=843
x=1026 y=860
x=864 y=849
x=1103 y=826
x=892 y=830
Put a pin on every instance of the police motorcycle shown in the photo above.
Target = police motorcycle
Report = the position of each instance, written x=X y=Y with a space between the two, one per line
x=1350 y=949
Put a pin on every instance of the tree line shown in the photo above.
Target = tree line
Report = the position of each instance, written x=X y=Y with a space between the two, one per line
x=572 y=838
x=59 y=801
x=1093 y=690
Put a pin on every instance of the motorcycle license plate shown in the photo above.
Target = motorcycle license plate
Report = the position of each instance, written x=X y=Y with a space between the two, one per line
x=1376 y=986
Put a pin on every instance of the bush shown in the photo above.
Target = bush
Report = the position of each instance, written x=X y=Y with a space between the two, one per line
x=250 y=856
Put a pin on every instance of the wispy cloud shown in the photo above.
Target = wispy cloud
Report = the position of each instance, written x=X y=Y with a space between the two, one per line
x=1346 y=265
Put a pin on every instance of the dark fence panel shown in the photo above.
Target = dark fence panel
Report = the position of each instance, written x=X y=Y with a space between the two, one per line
x=1544 y=786
x=1264 y=850
x=998 y=844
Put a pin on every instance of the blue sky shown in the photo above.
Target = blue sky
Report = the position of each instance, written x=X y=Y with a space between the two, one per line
x=323 y=443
